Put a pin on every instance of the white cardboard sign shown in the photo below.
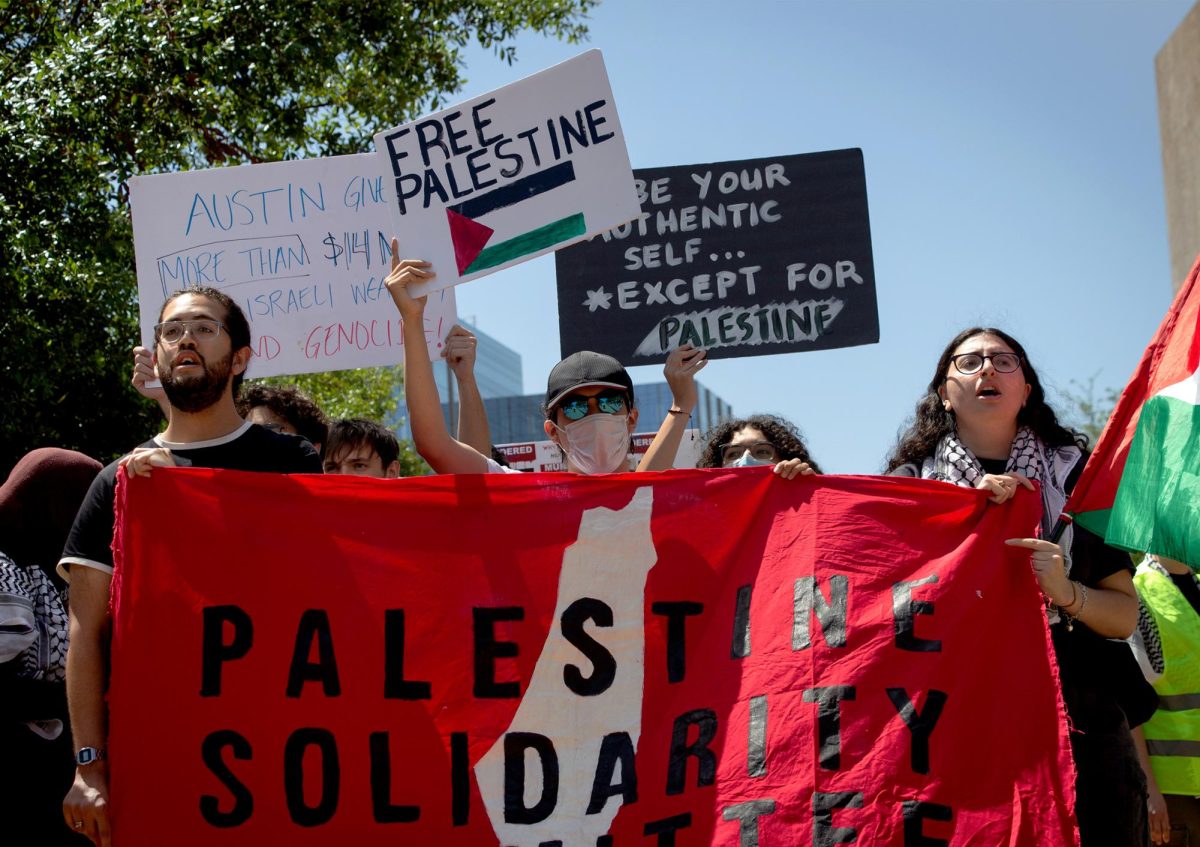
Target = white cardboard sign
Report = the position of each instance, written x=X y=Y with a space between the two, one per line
x=521 y=171
x=301 y=246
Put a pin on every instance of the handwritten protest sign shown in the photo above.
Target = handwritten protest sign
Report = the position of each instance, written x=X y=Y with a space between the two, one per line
x=541 y=456
x=513 y=174
x=741 y=258
x=302 y=247
x=622 y=660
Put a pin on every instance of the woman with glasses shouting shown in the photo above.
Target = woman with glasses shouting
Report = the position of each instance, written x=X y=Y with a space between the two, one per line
x=983 y=422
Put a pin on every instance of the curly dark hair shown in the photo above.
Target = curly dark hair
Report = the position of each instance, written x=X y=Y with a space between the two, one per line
x=784 y=436
x=289 y=403
x=931 y=420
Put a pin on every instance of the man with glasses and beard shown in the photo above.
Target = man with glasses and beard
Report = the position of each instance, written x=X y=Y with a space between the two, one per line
x=201 y=351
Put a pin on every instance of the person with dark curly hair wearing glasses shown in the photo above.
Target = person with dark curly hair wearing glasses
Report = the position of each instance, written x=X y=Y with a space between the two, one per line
x=758 y=440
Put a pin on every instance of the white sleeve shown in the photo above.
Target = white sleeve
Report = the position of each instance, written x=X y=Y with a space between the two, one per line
x=495 y=467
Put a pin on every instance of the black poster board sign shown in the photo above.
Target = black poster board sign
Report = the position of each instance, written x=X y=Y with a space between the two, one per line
x=741 y=258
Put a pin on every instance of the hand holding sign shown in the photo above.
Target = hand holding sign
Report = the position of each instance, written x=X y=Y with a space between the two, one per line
x=680 y=371
x=404 y=273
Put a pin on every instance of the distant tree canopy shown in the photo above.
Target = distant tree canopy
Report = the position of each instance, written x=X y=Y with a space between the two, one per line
x=94 y=93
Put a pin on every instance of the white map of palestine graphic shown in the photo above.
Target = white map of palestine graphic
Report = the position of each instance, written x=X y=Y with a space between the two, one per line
x=609 y=561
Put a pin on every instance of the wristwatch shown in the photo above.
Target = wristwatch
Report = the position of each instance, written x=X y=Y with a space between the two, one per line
x=87 y=755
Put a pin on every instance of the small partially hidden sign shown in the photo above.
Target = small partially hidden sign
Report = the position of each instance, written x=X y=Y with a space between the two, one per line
x=741 y=258
x=303 y=247
x=542 y=456
x=516 y=173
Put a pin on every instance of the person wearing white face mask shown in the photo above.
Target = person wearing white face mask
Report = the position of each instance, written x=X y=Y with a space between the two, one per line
x=758 y=440
x=589 y=397
x=589 y=412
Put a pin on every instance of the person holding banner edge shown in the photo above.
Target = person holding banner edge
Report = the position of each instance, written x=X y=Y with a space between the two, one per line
x=201 y=350
x=984 y=423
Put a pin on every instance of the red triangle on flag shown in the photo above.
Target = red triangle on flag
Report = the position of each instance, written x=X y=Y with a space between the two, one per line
x=469 y=237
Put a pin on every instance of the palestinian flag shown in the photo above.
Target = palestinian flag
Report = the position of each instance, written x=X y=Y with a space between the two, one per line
x=1141 y=489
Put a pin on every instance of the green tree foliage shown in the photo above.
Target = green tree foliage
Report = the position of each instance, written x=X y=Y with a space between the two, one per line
x=1089 y=408
x=364 y=393
x=96 y=92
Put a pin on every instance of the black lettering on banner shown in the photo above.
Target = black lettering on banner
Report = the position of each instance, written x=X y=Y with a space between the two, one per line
x=314 y=625
x=756 y=745
x=831 y=614
x=243 y=801
x=920 y=724
x=915 y=814
x=705 y=721
x=617 y=747
x=740 y=648
x=825 y=834
x=293 y=776
x=666 y=828
x=747 y=815
x=214 y=652
x=460 y=779
x=382 y=807
x=515 y=745
x=488 y=650
x=905 y=609
x=395 y=686
x=604 y=666
x=829 y=723
x=676 y=613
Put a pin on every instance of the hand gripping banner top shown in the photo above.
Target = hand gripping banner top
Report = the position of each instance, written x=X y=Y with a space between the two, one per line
x=685 y=658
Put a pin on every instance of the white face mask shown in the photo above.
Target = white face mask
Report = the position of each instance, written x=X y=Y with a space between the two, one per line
x=596 y=444
x=747 y=461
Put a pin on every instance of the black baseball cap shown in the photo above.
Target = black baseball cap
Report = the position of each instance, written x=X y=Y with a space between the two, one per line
x=584 y=369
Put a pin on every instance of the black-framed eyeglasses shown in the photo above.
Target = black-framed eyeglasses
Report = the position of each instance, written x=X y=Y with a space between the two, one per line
x=972 y=363
x=575 y=406
x=763 y=451
x=172 y=332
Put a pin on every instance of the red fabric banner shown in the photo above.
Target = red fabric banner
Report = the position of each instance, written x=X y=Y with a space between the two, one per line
x=686 y=658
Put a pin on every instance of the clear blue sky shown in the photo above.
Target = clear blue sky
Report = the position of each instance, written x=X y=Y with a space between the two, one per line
x=1013 y=172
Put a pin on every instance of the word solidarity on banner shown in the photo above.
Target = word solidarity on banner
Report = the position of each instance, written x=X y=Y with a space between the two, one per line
x=513 y=174
x=741 y=258
x=691 y=658
x=303 y=247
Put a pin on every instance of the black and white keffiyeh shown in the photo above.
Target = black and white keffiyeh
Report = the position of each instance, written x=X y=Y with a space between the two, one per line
x=953 y=462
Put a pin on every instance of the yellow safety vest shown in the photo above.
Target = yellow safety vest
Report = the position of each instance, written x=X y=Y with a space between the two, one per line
x=1173 y=733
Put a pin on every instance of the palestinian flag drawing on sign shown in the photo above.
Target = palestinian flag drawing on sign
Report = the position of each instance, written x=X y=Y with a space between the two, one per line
x=1141 y=489
x=472 y=250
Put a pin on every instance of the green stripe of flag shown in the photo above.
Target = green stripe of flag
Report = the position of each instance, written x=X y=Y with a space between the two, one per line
x=1157 y=507
x=533 y=241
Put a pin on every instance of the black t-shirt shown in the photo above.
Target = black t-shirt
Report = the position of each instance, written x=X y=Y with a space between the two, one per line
x=1186 y=583
x=248 y=448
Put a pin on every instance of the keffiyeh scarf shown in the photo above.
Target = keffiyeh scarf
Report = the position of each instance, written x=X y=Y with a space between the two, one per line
x=953 y=462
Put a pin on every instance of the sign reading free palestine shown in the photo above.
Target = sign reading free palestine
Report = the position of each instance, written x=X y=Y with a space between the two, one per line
x=521 y=171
